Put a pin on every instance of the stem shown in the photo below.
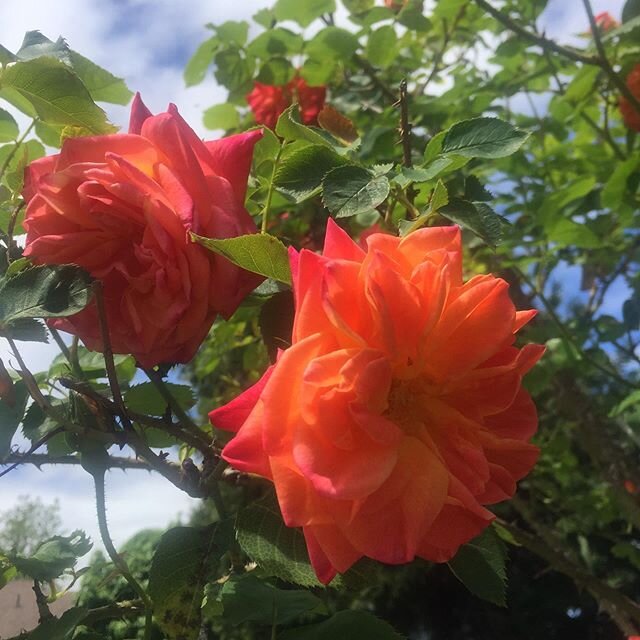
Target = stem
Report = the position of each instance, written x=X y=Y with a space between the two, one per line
x=566 y=334
x=366 y=66
x=604 y=61
x=543 y=42
x=41 y=601
x=267 y=206
x=73 y=363
x=17 y=145
x=40 y=459
x=118 y=561
x=108 y=356
x=36 y=445
x=624 y=612
x=29 y=380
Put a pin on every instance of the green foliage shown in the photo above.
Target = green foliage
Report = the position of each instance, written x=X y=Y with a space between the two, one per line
x=178 y=572
x=349 y=191
x=249 y=599
x=359 y=625
x=300 y=173
x=259 y=253
x=278 y=550
x=44 y=292
x=49 y=89
x=146 y=399
x=480 y=566
x=483 y=138
x=53 y=557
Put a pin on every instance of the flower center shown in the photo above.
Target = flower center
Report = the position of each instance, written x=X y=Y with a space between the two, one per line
x=406 y=404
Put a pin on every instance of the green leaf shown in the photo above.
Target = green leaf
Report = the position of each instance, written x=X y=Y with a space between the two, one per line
x=221 y=116
x=248 y=599
x=59 y=628
x=281 y=551
x=381 y=46
x=567 y=233
x=54 y=556
x=414 y=19
x=483 y=138
x=233 y=69
x=304 y=13
x=11 y=415
x=259 y=253
x=290 y=128
x=440 y=197
x=200 y=61
x=44 y=292
x=277 y=71
x=145 y=398
x=348 y=191
x=233 y=32
x=478 y=217
x=630 y=401
x=475 y=191
x=275 y=42
x=333 y=42
x=614 y=189
x=480 y=566
x=56 y=94
x=35 y=45
x=179 y=571
x=7 y=571
x=278 y=550
x=101 y=84
x=27 y=330
x=354 y=625
x=582 y=83
x=8 y=127
x=300 y=174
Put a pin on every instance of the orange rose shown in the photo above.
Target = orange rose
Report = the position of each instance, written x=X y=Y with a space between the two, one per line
x=122 y=206
x=267 y=101
x=630 y=114
x=398 y=411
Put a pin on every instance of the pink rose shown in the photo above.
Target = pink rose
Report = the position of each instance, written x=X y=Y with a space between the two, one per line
x=122 y=206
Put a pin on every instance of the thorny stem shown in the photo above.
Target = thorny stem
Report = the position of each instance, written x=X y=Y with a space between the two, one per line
x=118 y=561
x=34 y=447
x=108 y=356
x=157 y=381
x=41 y=601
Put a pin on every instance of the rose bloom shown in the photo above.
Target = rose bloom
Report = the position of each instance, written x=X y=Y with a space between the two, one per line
x=397 y=412
x=122 y=206
x=268 y=101
x=630 y=114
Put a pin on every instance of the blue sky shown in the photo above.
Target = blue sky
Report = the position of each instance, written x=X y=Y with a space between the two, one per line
x=148 y=43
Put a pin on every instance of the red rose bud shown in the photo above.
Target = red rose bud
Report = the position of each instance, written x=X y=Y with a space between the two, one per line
x=122 y=206
x=605 y=21
x=267 y=102
x=7 y=390
x=630 y=114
